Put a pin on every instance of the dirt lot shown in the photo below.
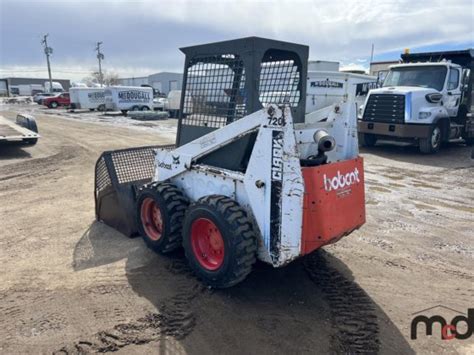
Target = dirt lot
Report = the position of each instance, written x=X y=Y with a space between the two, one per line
x=70 y=284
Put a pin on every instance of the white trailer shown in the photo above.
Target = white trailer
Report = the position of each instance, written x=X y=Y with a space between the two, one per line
x=87 y=98
x=326 y=88
x=128 y=98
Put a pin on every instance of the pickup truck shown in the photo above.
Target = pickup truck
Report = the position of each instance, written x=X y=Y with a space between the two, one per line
x=57 y=100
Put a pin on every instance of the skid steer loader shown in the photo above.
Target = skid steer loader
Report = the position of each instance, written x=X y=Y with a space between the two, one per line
x=250 y=176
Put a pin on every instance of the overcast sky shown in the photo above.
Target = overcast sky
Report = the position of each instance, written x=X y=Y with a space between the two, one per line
x=143 y=37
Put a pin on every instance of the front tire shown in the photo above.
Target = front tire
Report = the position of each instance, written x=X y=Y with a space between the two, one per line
x=219 y=241
x=432 y=143
x=367 y=140
x=160 y=213
x=53 y=104
x=145 y=108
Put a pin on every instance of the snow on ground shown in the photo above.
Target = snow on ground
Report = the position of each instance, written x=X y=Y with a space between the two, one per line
x=167 y=126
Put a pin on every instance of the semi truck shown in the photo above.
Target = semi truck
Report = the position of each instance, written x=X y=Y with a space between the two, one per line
x=426 y=99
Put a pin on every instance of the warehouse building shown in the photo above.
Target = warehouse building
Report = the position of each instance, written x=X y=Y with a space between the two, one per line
x=164 y=82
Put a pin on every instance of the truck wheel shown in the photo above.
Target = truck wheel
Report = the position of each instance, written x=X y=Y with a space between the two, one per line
x=432 y=143
x=135 y=108
x=101 y=108
x=160 y=213
x=469 y=141
x=145 y=108
x=91 y=109
x=124 y=112
x=219 y=241
x=367 y=140
x=53 y=104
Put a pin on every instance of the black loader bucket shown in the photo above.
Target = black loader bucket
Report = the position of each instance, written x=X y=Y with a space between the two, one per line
x=118 y=176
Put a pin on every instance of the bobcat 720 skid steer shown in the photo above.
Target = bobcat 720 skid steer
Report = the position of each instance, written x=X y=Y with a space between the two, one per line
x=250 y=176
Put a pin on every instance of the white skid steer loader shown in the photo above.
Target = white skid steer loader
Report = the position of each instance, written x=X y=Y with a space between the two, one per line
x=250 y=176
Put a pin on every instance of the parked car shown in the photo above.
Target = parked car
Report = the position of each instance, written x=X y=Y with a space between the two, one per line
x=159 y=103
x=57 y=100
x=38 y=98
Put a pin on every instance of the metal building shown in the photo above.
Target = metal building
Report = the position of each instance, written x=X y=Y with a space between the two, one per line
x=163 y=82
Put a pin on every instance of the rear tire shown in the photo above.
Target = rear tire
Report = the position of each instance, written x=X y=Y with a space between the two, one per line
x=367 y=140
x=160 y=213
x=101 y=108
x=219 y=241
x=432 y=143
x=145 y=108
x=135 y=108
x=53 y=104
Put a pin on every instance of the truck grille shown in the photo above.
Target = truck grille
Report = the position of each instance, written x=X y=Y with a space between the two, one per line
x=388 y=108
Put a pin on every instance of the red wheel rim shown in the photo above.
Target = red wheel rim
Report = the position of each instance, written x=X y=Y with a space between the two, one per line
x=151 y=217
x=207 y=243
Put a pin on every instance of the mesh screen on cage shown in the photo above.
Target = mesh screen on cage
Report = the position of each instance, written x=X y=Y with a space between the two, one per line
x=214 y=95
x=278 y=83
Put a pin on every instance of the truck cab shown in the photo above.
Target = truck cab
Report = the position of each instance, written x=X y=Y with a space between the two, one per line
x=427 y=101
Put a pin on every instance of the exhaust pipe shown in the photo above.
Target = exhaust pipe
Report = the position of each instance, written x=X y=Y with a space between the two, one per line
x=325 y=142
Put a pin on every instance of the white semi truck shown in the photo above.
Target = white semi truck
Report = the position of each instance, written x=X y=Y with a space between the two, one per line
x=427 y=99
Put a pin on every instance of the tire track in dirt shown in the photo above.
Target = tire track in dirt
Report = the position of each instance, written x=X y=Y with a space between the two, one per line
x=175 y=319
x=353 y=315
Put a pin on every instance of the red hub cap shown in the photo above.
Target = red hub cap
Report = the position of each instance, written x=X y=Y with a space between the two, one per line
x=151 y=218
x=207 y=243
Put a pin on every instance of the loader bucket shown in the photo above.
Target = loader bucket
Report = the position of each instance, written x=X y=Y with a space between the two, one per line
x=118 y=176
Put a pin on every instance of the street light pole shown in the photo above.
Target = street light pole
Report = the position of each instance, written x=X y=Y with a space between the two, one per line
x=48 y=51
x=100 y=57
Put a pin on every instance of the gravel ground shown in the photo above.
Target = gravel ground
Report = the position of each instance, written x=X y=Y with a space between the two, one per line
x=70 y=284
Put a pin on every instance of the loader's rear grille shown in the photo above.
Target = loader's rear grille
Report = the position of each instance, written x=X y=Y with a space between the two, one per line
x=125 y=166
x=214 y=91
x=388 y=108
x=132 y=165
x=278 y=83
x=102 y=178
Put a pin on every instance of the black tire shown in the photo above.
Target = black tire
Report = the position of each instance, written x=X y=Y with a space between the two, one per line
x=91 y=109
x=145 y=108
x=101 y=108
x=135 y=108
x=53 y=104
x=469 y=141
x=172 y=205
x=432 y=143
x=367 y=139
x=29 y=123
x=124 y=112
x=239 y=240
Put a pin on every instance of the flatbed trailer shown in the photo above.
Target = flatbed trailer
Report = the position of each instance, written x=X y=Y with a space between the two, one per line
x=23 y=131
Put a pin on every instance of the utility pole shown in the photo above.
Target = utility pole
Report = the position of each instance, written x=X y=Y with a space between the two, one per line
x=372 y=54
x=100 y=57
x=48 y=51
